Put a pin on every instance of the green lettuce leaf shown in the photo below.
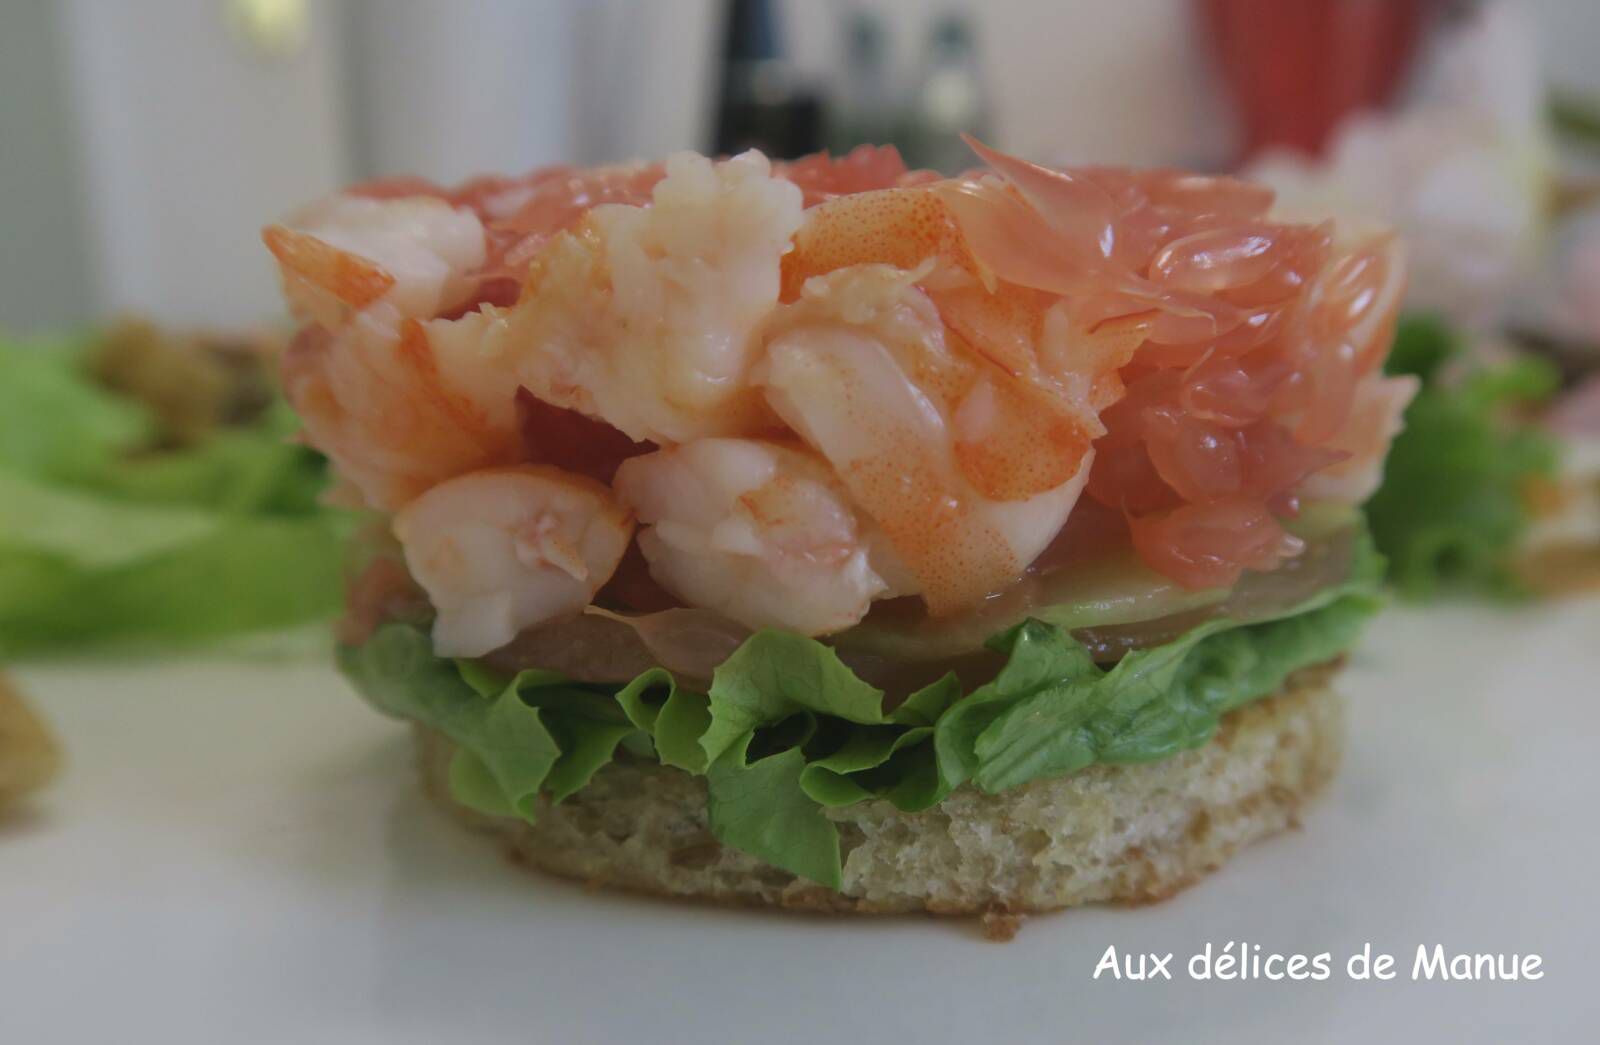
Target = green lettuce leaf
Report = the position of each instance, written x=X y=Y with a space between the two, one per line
x=108 y=539
x=77 y=569
x=54 y=424
x=534 y=733
x=254 y=470
x=787 y=731
x=759 y=806
x=1451 y=509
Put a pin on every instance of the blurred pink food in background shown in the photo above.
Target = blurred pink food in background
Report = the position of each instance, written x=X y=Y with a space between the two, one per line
x=1295 y=70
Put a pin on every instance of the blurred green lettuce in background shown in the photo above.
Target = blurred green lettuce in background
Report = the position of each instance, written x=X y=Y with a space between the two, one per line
x=124 y=521
x=1453 y=505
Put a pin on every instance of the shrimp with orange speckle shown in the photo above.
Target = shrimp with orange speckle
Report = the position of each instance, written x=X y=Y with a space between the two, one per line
x=861 y=369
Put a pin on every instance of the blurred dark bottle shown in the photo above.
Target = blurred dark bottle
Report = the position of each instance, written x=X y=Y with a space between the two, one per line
x=762 y=102
x=1294 y=70
x=950 y=98
x=861 y=108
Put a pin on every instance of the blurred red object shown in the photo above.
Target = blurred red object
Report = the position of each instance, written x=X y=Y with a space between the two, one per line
x=1295 y=68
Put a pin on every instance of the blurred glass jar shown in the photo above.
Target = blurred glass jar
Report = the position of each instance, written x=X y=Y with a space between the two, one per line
x=951 y=98
x=762 y=102
x=862 y=109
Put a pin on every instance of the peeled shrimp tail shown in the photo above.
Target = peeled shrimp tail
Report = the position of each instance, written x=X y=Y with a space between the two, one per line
x=399 y=405
x=419 y=255
x=760 y=532
x=505 y=549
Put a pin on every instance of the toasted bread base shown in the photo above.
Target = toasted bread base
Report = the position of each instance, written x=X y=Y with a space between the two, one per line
x=1133 y=833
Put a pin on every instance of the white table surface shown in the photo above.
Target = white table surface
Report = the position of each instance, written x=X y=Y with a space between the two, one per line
x=237 y=852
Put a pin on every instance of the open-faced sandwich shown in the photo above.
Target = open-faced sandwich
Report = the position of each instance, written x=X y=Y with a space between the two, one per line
x=830 y=535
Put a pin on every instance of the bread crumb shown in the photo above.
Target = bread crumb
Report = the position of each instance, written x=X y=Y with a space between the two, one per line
x=1000 y=926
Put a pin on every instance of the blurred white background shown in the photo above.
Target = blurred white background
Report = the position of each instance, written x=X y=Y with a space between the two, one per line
x=143 y=145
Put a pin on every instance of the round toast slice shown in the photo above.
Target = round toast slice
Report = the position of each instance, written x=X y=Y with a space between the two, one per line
x=1123 y=833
